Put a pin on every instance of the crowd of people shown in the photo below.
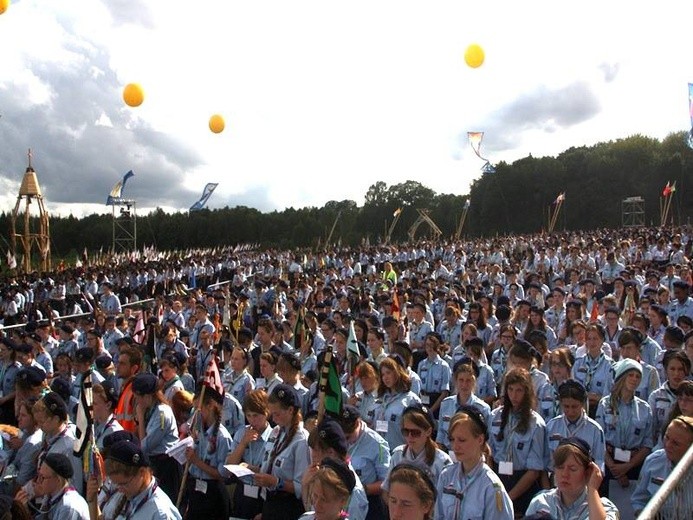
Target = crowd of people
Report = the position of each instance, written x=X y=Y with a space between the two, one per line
x=500 y=378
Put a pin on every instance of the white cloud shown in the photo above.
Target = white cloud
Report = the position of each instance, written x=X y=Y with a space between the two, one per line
x=322 y=99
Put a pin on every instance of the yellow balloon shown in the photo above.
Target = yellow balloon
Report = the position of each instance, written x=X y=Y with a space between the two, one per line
x=474 y=56
x=133 y=95
x=216 y=124
x=4 y=4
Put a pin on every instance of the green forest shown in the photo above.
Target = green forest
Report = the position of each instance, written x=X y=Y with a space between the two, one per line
x=514 y=199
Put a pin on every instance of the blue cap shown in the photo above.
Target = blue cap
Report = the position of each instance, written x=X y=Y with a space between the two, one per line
x=331 y=434
x=128 y=453
x=286 y=395
x=31 y=375
x=144 y=383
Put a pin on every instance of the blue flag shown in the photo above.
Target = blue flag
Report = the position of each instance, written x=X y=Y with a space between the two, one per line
x=206 y=193
x=116 y=194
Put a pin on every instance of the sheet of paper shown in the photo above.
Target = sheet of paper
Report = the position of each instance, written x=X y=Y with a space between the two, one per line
x=177 y=451
x=238 y=470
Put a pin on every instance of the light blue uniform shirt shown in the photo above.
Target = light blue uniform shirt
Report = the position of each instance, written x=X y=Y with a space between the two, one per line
x=254 y=452
x=451 y=334
x=550 y=502
x=594 y=374
x=44 y=359
x=404 y=454
x=661 y=401
x=8 y=374
x=161 y=432
x=238 y=385
x=25 y=458
x=370 y=456
x=477 y=495
x=291 y=463
x=655 y=470
x=648 y=383
x=102 y=430
x=66 y=504
x=628 y=429
x=389 y=413
x=367 y=404
x=486 y=382
x=584 y=428
x=415 y=381
x=548 y=402
x=151 y=504
x=232 y=414
x=435 y=375
x=449 y=407
x=216 y=459
x=499 y=362
x=650 y=352
x=525 y=450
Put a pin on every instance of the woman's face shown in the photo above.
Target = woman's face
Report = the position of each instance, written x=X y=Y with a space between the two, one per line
x=101 y=409
x=281 y=416
x=516 y=394
x=237 y=361
x=374 y=343
x=257 y=421
x=593 y=341
x=25 y=421
x=414 y=436
x=572 y=408
x=633 y=378
x=388 y=376
x=325 y=503
x=367 y=383
x=507 y=338
x=266 y=369
x=465 y=385
x=467 y=334
x=676 y=373
x=465 y=446
x=405 y=504
x=559 y=371
x=685 y=404
x=579 y=335
x=535 y=318
x=571 y=476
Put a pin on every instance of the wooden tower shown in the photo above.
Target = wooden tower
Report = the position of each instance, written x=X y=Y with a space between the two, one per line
x=27 y=236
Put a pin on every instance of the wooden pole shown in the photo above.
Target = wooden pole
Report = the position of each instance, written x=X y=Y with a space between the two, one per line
x=322 y=385
x=187 y=464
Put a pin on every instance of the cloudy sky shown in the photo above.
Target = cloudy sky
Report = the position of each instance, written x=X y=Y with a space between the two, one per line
x=321 y=98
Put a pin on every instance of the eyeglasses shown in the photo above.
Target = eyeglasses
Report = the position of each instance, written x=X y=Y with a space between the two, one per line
x=413 y=432
x=123 y=484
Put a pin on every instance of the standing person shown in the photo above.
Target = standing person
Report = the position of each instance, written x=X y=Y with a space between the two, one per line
x=412 y=493
x=435 y=374
x=659 y=465
x=594 y=369
x=104 y=401
x=627 y=424
x=9 y=367
x=157 y=430
x=574 y=422
x=394 y=391
x=576 y=496
x=129 y=363
x=59 y=499
x=329 y=490
x=369 y=455
x=466 y=373
x=236 y=378
x=248 y=447
x=286 y=457
x=142 y=498
x=469 y=488
x=207 y=496
x=25 y=449
x=518 y=439
x=677 y=366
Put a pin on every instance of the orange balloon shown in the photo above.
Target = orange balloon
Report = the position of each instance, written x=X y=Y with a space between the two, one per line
x=133 y=95
x=474 y=56
x=4 y=5
x=216 y=124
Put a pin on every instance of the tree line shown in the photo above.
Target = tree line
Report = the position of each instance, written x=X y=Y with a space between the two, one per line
x=514 y=199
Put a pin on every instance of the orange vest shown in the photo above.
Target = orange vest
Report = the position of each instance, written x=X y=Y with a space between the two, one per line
x=125 y=411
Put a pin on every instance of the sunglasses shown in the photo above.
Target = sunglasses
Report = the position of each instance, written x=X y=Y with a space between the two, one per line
x=411 y=432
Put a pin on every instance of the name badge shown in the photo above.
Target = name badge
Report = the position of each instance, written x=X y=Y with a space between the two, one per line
x=381 y=426
x=622 y=455
x=425 y=399
x=250 y=491
x=201 y=486
x=505 y=468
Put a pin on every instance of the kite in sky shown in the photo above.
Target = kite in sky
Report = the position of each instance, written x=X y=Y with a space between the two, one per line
x=475 y=139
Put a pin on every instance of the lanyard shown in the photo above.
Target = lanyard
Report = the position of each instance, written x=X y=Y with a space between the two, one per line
x=622 y=425
x=50 y=444
x=591 y=369
x=509 y=439
x=579 y=424
x=171 y=382
x=106 y=426
x=465 y=482
x=144 y=500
